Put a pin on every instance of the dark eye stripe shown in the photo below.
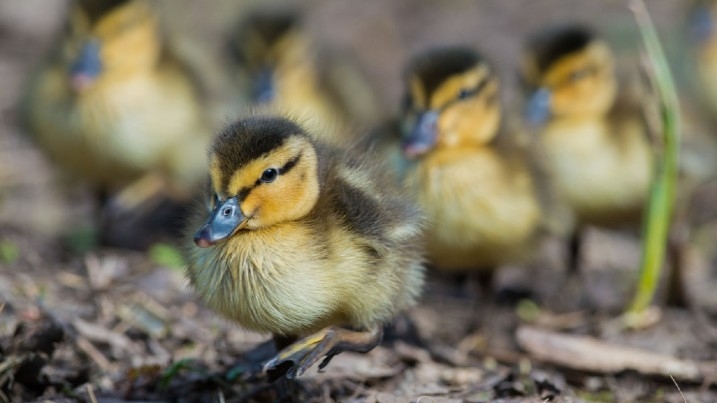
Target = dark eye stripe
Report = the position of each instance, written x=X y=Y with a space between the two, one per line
x=578 y=74
x=289 y=165
x=481 y=86
x=244 y=192
x=471 y=92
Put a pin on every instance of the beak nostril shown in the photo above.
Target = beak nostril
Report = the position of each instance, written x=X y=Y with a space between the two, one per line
x=201 y=238
x=227 y=211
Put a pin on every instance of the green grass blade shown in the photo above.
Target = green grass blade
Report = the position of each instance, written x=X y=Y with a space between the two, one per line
x=658 y=216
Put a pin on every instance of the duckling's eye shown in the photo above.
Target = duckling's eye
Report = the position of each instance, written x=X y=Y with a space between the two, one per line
x=578 y=75
x=269 y=175
x=464 y=93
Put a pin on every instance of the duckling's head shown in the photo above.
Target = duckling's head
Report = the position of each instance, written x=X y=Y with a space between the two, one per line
x=264 y=171
x=109 y=38
x=452 y=100
x=268 y=43
x=569 y=72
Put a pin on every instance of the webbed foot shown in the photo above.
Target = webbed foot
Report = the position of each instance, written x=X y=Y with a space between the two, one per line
x=295 y=359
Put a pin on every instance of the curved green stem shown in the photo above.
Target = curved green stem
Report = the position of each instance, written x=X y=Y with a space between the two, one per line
x=658 y=215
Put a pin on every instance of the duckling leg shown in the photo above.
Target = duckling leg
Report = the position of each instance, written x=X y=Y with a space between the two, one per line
x=255 y=358
x=677 y=244
x=573 y=286
x=484 y=303
x=139 y=192
x=574 y=252
x=123 y=224
x=404 y=329
x=328 y=342
x=282 y=342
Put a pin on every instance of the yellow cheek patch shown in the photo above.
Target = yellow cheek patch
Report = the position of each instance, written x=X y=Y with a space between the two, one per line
x=249 y=205
x=449 y=90
x=474 y=121
x=130 y=30
x=597 y=54
x=123 y=19
x=274 y=199
x=250 y=173
x=292 y=196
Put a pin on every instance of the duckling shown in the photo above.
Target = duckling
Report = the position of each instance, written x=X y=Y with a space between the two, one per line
x=301 y=239
x=476 y=184
x=284 y=67
x=114 y=106
x=593 y=132
x=703 y=43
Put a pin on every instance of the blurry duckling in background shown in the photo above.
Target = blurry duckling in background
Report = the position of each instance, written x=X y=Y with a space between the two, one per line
x=698 y=65
x=115 y=107
x=476 y=184
x=282 y=66
x=703 y=43
x=596 y=142
x=300 y=239
x=593 y=132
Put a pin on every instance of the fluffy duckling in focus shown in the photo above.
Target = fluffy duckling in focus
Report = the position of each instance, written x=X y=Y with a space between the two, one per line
x=114 y=106
x=593 y=133
x=475 y=183
x=281 y=66
x=300 y=239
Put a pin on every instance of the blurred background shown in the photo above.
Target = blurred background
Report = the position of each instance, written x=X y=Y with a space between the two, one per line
x=380 y=36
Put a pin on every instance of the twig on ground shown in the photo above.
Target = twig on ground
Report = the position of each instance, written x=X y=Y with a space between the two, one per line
x=91 y=393
x=98 y=333
x=589 y=354
x=678 y=388
x=88 y=348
